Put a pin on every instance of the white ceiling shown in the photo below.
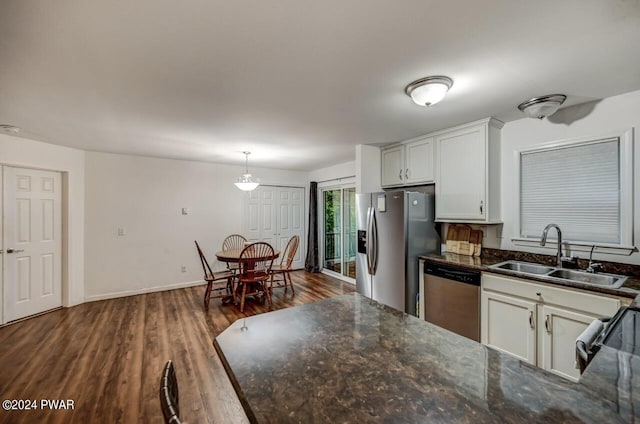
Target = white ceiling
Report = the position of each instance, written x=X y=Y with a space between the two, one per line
x=299 y=83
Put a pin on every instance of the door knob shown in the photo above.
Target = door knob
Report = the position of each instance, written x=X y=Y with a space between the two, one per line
x=15 y=250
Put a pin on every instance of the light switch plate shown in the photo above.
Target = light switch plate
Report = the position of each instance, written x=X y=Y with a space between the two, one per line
x=185 y=211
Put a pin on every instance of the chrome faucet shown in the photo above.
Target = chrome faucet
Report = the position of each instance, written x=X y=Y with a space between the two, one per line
x=593 y=266
x=543 y=241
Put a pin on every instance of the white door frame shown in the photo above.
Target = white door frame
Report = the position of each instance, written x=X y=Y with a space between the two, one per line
x=64 y=236
x=350 y=183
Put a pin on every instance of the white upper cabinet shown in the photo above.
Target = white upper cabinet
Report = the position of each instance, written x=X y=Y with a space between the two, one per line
x=468 y=173
x=419 y=161
x=392 y=172
x=408 y=163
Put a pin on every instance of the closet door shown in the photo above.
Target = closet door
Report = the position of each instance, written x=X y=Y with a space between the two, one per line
x=290 y=220
x=32 y=242
x=260 y=221
x=274 y=214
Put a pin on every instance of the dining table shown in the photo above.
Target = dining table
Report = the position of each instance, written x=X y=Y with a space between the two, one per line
x=233 y=255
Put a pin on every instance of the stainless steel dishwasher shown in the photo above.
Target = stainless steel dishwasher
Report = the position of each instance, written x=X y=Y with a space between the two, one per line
x=452 y=298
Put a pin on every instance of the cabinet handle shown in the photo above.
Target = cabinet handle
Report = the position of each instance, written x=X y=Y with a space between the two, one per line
x=481 y=207
x=547 y=325
x=400 y=175
x=406 y=173
x=531 y=320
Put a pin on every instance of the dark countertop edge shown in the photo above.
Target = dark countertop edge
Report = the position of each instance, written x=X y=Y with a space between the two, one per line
x=621 y=292
x=236 y=385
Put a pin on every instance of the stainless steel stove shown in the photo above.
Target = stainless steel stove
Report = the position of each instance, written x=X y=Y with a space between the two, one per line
x=622 y=332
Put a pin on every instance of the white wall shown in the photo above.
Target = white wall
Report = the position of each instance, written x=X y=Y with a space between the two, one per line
x=617 y=113
x=336 y=172
x=144 y=196
x=17 y=151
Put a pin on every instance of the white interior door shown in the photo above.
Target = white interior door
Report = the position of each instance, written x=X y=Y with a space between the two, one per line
x=291 y=220
x=275 y=214
x=260 y=220
x=32 y=242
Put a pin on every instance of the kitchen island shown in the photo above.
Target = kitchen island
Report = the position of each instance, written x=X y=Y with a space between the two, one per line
x=351 y=359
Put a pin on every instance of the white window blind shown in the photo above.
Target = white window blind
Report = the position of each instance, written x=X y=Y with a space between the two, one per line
x=576 y=187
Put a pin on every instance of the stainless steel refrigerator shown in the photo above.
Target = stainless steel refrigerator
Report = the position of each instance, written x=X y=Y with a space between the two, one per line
x=394 y=228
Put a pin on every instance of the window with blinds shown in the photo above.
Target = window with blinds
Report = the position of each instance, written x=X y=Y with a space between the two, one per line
x=575 y=186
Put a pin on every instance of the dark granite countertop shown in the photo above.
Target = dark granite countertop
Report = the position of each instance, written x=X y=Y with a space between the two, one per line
x=630 y=289
x=614 y=376
x=349 y=359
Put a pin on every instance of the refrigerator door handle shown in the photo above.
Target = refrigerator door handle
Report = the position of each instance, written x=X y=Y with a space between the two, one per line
x=374 y=246
x=368 y=241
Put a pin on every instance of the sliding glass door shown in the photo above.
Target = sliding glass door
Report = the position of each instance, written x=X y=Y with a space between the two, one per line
x=339 y=231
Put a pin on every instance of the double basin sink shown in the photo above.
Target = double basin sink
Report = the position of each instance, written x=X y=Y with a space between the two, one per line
x=594 y=279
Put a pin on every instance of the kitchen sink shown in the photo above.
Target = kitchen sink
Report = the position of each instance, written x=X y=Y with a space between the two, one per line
x=544 y=271
x=524 y=267
x=606 y=280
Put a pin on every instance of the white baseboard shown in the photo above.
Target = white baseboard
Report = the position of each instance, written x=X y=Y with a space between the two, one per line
x=105 y=296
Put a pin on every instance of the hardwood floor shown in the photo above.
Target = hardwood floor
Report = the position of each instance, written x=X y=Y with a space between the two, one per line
x=107 y=356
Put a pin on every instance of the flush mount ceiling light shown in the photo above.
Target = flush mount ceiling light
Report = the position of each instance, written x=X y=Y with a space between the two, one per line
x=11 y=129
x=429 y=91
x=246 y=182
x=541 y=107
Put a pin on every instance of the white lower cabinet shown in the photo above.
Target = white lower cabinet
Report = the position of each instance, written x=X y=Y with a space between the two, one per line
x=508 y=324
x=560 y=329
x=538 y=323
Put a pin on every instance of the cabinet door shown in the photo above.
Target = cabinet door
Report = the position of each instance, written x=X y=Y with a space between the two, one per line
x=419 y=161
x=509 y=325
x=392 y=172
x=461 y=182
x=559 y=330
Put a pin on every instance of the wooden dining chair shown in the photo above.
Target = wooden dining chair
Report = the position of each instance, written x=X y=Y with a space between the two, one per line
x=234 y=241
x=224 y=280
x=256 y=261
x=284 y=268
x=169 y=399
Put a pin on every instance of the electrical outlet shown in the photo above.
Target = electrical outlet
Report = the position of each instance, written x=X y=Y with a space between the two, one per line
x=185 y=211
x=183 y=268
x=120 y=231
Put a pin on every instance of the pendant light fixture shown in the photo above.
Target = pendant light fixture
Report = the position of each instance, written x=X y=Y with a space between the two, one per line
x=428 y=91
x=246 y=182
x=541 y=107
